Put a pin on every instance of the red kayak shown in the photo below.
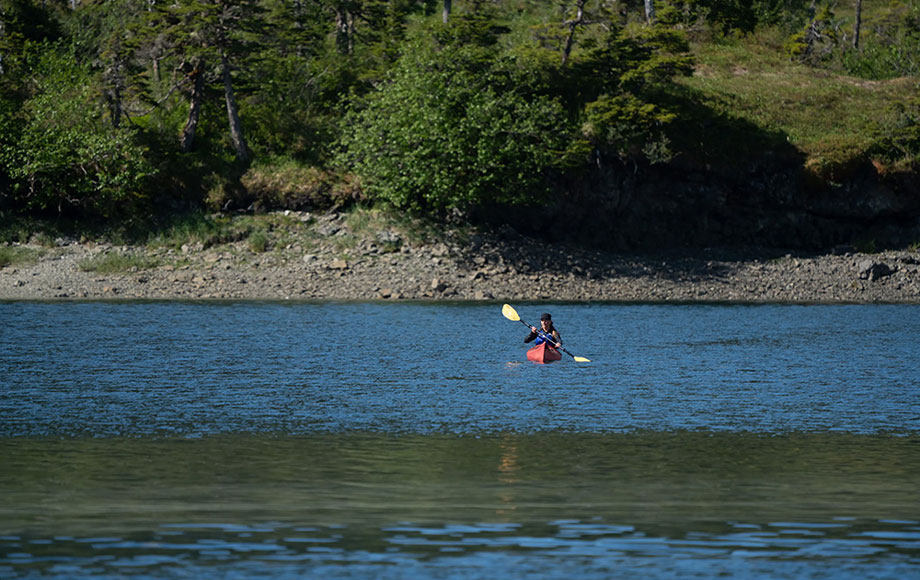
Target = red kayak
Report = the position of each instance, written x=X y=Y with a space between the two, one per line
x=543 y=353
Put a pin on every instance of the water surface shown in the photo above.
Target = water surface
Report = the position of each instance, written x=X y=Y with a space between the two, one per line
x=139 y=369
x=362 y=440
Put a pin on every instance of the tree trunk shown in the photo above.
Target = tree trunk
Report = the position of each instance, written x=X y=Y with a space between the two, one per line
x=572 y=25
x=344 y=27
x=650 y=11
x=187 y=138
x=114 y=77
x=236 y=128
x=858 y=24
x=445 y=14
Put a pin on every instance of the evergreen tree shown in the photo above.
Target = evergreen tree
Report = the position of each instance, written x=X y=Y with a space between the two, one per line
x=208 y=40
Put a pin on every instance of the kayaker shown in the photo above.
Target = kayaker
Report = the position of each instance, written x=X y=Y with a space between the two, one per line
x=547 y=329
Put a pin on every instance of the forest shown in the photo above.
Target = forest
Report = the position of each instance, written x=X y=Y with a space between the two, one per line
x=127 y=113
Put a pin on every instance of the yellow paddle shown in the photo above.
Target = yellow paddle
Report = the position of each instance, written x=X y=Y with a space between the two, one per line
x=511 y=314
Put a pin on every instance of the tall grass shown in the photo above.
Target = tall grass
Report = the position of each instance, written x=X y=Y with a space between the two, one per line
x=17 y=255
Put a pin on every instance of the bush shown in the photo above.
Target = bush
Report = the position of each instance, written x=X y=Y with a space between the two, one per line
x=450 y=130
x=64 y=157
x=899 y=136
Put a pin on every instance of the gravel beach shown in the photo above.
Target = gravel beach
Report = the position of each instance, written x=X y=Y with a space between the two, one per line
x=383 y=265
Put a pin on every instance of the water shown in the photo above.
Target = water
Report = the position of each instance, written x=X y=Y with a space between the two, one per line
x=357 y=440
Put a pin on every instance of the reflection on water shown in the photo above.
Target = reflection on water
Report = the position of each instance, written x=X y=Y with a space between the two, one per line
x=655 y=504
x=558 y=549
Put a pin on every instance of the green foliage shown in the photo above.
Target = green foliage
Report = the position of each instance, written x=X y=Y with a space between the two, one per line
x=889 y=46
x=623 y=123
x=449 y=130
x=731 y=16
x=898 y=133
x=63 y=158
x=889 y=41
x=204 y=230
x=480 y=110
x=257 y=241
x=817 y=42
x=618 y=84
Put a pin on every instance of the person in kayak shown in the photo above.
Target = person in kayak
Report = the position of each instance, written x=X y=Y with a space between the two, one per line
x=546 y=329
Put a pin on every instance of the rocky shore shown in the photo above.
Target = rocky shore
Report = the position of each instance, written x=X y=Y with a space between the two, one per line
x=313 y=264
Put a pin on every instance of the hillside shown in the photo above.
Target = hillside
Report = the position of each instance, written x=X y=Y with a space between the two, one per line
x=705 y=123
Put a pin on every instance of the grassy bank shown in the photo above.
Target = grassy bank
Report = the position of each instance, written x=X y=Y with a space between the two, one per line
x=830 y=118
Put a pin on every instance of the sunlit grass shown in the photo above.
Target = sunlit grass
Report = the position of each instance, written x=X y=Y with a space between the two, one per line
x=114 y=263
x=18 y=256
x=827 y=116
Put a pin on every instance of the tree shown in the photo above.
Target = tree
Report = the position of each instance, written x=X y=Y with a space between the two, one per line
x=22 y=24
x=199 y=33
x=618 y=81
x=572 y=24
x=65 y=158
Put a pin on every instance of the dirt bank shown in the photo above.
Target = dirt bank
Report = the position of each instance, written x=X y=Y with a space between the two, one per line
x=504 y=267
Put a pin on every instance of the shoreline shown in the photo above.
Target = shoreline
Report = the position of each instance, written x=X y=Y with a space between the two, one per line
x=481 y=267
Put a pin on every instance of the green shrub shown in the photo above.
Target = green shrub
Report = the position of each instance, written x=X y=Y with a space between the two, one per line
x=449 y=131
x=257 y=241
x=64 y=156
x=898 y=141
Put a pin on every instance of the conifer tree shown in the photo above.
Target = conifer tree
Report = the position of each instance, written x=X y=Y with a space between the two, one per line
x=208 y=39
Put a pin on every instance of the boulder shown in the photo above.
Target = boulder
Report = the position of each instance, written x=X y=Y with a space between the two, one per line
x=873 y=270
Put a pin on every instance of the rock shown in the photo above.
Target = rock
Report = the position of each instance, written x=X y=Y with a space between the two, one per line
x=386 y=237
x=872 y=270
x=437 y=285
x=327 y=229
x=337 y=264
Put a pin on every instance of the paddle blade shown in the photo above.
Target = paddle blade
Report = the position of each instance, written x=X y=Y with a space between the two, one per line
x=581 y=359
x=510 y=313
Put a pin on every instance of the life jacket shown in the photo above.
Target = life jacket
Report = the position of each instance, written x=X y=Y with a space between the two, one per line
x=540 y=338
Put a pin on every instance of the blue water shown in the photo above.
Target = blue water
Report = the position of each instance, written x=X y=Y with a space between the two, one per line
x=105 y=369
x=394 y=440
